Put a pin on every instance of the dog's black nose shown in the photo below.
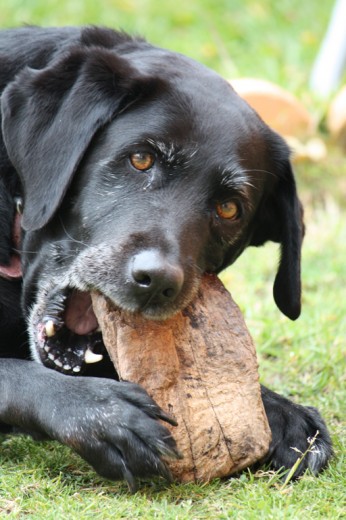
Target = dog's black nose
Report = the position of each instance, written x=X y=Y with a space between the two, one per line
x=155 y=277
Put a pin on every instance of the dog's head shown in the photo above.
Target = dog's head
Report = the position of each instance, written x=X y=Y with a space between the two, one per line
x=141 y=170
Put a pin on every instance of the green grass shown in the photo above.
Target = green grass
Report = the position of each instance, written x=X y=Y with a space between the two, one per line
x=304 y=360
x=231 y=36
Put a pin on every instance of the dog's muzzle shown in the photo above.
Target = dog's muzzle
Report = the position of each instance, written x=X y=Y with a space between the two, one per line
x=64 y=331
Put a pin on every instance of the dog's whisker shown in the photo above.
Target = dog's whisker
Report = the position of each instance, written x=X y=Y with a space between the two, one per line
x=257 y=170
x=25 y=252
x=74 y=240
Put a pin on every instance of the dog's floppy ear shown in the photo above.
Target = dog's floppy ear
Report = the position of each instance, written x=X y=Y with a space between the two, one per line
x=280 y=219
x=49 y=117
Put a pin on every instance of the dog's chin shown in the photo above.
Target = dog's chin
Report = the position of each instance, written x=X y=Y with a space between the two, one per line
x=65 y=334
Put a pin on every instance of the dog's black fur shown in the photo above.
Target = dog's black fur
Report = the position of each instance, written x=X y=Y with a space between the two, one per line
x=139 y=170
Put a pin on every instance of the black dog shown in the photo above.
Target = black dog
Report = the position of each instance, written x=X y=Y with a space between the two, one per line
x=139 y=170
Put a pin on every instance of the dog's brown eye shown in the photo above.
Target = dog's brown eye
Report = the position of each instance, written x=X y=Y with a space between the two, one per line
x=228 y=210
x=142 y=160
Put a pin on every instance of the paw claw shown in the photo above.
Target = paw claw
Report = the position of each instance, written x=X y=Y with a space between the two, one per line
x=130 y=479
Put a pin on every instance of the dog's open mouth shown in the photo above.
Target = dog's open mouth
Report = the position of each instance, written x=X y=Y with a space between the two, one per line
x=67 y=336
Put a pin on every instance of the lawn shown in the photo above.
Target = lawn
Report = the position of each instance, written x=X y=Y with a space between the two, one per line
x=304 y=360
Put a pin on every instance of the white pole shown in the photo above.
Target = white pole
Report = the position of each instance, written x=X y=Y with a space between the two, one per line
x=331 y=59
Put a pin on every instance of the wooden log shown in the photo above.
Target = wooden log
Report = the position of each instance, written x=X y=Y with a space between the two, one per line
x=201 y=367
x=280 y=109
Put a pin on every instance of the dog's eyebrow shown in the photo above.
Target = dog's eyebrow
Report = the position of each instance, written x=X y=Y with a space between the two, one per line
x=235 y=178
x=172 y=153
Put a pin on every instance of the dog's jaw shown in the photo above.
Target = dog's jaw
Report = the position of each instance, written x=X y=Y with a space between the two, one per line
x=64 y=332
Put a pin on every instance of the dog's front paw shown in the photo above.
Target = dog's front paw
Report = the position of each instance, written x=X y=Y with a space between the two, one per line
x=113 y=426
x=293 y=427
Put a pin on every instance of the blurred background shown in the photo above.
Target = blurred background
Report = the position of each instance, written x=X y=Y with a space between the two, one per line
x=274 y=40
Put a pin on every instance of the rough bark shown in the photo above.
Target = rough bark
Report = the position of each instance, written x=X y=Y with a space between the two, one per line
x=201 y=367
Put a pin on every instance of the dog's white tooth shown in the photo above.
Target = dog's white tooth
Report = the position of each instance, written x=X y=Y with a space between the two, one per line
x=67 y=367
x=76 y=369
x=58 y=362
x=47 y=349
x=50 y=329
x=51 y=356
x=90 y=357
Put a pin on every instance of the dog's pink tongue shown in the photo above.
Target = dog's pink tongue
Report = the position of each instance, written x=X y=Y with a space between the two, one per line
x=12 y=271
x=79 y=314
